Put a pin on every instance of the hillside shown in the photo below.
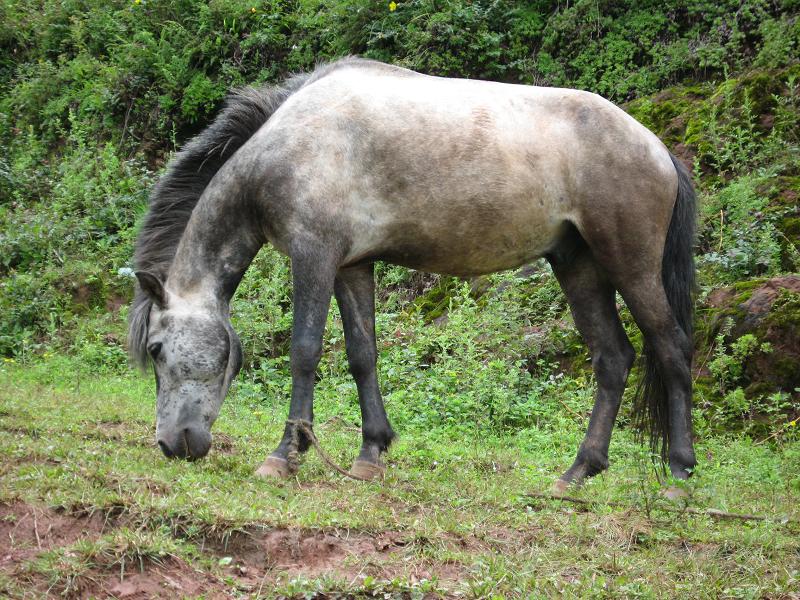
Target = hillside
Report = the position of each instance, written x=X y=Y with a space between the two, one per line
x=97 y=96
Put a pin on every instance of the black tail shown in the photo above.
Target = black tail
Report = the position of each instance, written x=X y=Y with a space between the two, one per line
x=174 y=197
x=650 y=408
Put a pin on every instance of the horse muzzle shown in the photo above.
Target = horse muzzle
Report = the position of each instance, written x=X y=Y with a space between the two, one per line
x=189 y=442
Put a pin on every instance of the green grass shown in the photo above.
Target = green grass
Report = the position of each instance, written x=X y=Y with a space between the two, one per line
x=454 y=502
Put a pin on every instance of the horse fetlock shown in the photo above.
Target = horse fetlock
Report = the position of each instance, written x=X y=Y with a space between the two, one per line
x=593 y=459
x=377 y=440
x=374 y=446
x=682 y=462
x=589 y=462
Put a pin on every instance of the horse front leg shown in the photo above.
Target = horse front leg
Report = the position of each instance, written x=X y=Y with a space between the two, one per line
x=355 y=295
x=313 y=275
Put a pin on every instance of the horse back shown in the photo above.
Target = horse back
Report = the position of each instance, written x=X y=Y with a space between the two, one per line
x=447 y=175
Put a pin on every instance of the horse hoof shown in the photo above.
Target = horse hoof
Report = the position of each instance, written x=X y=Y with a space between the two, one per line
x=674 y=493
x=367 y=470
x=559 y=487
x=274 y=467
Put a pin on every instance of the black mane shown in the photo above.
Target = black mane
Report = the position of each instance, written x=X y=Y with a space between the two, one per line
x=174 y=197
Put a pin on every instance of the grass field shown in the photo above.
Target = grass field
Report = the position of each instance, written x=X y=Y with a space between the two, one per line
x=90 y=507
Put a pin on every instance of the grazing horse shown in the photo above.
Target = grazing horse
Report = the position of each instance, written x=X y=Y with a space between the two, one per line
x=361 y=161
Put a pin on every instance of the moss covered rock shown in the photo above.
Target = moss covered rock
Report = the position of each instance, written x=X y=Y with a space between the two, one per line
x=719 y=124
x=768 y=310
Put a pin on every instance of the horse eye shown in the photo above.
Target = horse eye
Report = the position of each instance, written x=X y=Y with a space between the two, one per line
x=154 y=349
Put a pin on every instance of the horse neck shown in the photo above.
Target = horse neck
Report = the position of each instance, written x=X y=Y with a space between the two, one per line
x=220 y=241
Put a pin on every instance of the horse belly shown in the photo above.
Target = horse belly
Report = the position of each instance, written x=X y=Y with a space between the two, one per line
x=465 y=232
x=470 y=255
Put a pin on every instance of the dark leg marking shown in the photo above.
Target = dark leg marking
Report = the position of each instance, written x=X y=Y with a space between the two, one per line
x=649 y=306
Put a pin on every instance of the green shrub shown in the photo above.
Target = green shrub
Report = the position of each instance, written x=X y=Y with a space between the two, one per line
x=738 y=238
x=31 y=310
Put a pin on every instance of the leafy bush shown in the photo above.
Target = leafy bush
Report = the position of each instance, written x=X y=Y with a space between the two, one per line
x=66 y=230
x=149 y=69
x=736 y=409
x=30 y=310
x=738 y=237
x=261 y=309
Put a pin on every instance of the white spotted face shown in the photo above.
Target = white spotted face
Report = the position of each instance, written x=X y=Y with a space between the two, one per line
x=195 y=356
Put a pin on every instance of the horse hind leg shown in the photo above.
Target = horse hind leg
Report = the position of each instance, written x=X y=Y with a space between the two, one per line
x=645 y=247
x=665 y=402
x=591 y=299
x=355 y=294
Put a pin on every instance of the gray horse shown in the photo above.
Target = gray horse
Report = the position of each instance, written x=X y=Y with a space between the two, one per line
x=361 y=161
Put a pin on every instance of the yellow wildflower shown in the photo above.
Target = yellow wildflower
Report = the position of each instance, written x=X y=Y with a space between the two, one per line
x=253 y=10
x=392 y=6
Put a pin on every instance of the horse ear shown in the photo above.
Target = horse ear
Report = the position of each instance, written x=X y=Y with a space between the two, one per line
x=235 y=357
x=152 y=286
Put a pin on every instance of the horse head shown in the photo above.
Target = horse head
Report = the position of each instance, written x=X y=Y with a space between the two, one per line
x=195 y=355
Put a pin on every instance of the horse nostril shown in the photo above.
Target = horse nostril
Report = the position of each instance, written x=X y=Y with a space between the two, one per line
x=165 y=449
x=190 y=443
x=198 y=442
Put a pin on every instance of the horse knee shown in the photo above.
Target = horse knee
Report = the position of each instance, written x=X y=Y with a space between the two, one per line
x=611 y=367
x=306 y=353
x=362 y=362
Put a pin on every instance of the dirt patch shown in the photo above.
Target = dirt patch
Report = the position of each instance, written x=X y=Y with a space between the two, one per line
x=26 y=531
x=224 y=444
x=280 y=554
x=172 y=579
x=247 y=560
x=310 y=553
